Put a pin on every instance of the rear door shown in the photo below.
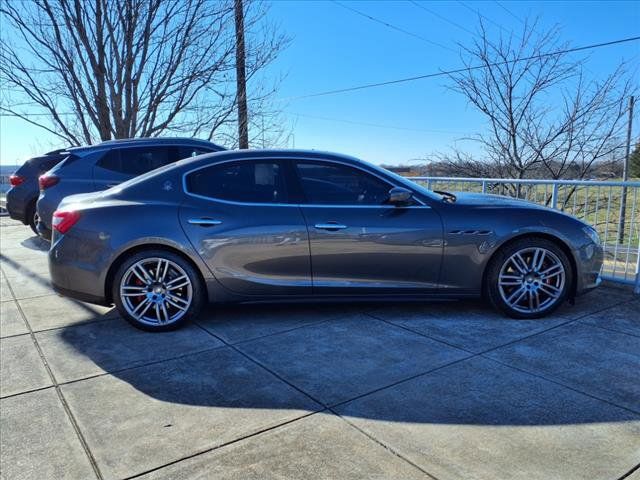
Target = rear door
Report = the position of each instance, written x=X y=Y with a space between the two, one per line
x=238 y=216
x=360 y=244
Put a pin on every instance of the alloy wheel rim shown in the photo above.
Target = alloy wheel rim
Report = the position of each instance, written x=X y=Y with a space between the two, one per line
x=156 y=291
x=531 y=280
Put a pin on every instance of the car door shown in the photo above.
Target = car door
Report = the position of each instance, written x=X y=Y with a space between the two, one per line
x=238 y=217
x=360 y=244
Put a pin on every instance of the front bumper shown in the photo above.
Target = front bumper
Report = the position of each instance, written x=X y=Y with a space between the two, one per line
x=589 y=259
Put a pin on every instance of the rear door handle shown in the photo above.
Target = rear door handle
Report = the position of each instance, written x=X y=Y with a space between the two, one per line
x=330 y=226
x=204 y=222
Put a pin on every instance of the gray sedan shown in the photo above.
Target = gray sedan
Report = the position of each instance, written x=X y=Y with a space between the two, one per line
x=274 y=226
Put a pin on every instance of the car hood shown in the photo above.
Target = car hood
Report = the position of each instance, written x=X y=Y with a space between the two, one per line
x=488 y=200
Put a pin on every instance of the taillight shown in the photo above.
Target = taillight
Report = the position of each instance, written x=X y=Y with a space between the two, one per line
x=46 y=181
x=63 y=220
x=15 y=180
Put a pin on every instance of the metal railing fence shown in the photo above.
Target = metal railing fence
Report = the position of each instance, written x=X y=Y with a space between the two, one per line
x=599 y=203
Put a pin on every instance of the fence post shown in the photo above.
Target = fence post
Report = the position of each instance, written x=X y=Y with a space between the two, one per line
x=554 y=196
x=429 y=184
x=484 y=186
x=636 y=289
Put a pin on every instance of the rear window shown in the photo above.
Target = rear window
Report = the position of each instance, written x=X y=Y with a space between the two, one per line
x=40 y=164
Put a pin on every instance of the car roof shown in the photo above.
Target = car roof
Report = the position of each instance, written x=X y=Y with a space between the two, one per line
x=281 y=154
x=123 y=142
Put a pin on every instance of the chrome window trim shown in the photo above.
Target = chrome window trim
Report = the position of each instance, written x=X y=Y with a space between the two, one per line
x=279 y=159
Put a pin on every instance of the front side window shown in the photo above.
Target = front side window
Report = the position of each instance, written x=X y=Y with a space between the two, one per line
x=246 y=182
x=135 y=160
x=334 y=184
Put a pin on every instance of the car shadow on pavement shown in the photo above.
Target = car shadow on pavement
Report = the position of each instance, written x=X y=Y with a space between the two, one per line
x=358 y=366
x=36 y=243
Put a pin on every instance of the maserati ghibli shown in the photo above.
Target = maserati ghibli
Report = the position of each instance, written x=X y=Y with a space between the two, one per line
x=308 y=226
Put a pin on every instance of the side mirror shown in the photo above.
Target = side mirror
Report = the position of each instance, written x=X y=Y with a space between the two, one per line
x=400 y=196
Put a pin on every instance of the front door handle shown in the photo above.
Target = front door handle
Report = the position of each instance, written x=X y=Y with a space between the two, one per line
x=331 y=226
x=204 y=222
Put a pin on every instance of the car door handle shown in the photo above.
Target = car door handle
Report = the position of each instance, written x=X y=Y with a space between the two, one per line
x=204 y=222
x=330 y=226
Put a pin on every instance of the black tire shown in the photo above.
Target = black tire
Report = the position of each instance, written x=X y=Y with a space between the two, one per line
x=32 y=217
x=498 y=295
x=197 y=289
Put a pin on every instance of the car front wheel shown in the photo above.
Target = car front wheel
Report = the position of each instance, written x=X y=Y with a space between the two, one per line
x=157 y=290
x=529 y=278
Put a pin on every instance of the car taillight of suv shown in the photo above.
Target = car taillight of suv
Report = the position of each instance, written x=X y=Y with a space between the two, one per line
x=15 y=180
x=45 y=181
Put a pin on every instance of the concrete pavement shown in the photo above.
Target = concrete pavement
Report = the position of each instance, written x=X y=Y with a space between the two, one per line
x=429 y=390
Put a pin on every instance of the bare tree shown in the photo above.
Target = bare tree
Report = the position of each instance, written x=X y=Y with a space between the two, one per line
x=545 y=118
x=88 y=70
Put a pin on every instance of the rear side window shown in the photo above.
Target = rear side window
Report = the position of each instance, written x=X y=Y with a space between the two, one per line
x=246 y=182
x=136 y=160
x=65 y=163
x=334 y=184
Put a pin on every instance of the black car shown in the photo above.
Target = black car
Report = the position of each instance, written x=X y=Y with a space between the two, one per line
x=23 y=195
x=104 y=165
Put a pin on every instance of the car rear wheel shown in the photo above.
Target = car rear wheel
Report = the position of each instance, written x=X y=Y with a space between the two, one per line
x=33 y=218
x=157 y=290
x=529 y=278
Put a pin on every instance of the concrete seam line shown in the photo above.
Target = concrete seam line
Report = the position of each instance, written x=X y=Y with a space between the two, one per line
x=383 y=445
x=222 y=445
x=139 y=365
x=411 y=330
x=251 y=359
x=628 y=474
x=582 y=322
x=65 y=406
x=561 y=384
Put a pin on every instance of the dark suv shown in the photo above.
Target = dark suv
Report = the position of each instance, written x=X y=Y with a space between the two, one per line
x=23 y=195
x=105 y=165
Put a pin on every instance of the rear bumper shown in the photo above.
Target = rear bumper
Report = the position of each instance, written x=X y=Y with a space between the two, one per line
x=43 y=231
x=81 y=296
x=18 y=204
x=76 y=268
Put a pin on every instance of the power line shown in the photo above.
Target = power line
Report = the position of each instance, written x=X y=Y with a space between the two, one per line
x=393 y=27
x=477 y=12
x=465 y=69
x=441 y=17
x=508 y=11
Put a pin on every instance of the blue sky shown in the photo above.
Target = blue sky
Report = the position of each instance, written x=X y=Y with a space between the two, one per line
x=333 y=48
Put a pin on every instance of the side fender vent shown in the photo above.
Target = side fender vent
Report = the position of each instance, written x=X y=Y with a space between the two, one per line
x=470 y=232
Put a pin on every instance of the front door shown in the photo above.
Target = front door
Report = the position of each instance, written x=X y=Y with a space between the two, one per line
x=360 y=244
x=238 y=218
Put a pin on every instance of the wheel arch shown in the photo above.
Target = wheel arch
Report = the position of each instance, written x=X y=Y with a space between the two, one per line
x=124 y=255
x=559 y=242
